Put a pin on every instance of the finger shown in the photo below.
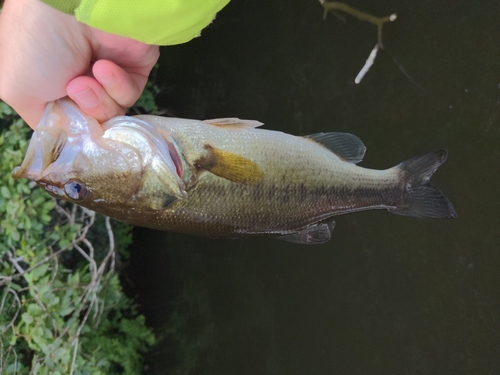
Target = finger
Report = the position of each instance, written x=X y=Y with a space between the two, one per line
x=122 y=86
x=93 y=99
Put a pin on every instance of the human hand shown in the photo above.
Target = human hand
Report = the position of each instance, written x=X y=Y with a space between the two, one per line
x=46 y=54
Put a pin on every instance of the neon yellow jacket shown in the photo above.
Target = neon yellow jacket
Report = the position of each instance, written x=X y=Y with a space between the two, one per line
x=159 y=22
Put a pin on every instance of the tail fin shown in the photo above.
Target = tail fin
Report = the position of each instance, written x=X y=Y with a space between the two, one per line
x=423 y=199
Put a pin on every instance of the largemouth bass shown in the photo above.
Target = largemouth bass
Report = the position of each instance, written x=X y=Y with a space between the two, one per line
x=220 y=178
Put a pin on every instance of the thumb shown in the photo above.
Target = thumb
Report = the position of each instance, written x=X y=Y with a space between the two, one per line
x=124 y=86
x=93 y=99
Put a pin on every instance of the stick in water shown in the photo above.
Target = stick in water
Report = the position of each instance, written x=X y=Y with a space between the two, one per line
x=368 y=64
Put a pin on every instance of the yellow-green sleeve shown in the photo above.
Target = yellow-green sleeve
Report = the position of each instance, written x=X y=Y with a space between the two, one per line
x=160 y=22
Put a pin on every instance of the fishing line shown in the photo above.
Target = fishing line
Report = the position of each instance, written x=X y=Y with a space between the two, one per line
x=400 y=67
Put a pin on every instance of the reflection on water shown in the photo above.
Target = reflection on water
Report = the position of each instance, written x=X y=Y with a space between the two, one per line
x=387 y=294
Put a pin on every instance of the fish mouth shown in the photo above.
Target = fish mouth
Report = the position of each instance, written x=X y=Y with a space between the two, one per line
x=44 y=147
x=62 y=122
x=58 y=149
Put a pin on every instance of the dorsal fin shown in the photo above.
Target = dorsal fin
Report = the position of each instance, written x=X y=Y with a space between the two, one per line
x=233 y=122
x=345 y=145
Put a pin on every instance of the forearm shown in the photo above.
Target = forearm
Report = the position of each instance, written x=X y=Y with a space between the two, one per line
x=158 y=22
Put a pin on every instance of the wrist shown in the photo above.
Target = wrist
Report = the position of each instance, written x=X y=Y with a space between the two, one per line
x=66 y=6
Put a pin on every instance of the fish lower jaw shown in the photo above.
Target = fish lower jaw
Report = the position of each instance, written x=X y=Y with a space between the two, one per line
x=52 y=189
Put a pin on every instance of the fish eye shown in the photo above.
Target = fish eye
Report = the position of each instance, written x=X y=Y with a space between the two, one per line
x=76 y=190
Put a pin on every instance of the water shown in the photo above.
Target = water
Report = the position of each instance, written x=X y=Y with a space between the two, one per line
x=388 y=294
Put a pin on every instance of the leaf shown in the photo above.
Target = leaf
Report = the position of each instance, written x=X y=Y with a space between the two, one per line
x=40 y=271
x=27 y=318
x=38 y=337
x=47 y=333
x=13 y=339
x=66 y=311
x=43 y=289
x=36 y=368
x=4 y=190
x=15 y=235
x=34 y=309
x=63 y=355
x=27 y=223
x=5 y=109
x=45 y=219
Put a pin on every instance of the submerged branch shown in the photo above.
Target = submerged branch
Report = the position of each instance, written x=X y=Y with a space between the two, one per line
x=368 y=64
x=334 y=6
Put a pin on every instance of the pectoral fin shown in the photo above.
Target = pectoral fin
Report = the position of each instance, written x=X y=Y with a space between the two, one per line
x=230 y=166
x=313 y=234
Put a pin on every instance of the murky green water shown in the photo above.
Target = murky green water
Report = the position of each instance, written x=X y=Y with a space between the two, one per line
x=388 y=294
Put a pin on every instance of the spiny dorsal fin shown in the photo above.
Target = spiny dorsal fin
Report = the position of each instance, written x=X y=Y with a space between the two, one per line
x=345 y=145
x=230 y=166
x=233 y=122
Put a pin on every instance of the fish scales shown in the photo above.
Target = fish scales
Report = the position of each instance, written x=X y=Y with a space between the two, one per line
x=221 y=178
x=302 y=183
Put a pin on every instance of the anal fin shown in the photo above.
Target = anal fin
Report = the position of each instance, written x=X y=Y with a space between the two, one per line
x=313 y=234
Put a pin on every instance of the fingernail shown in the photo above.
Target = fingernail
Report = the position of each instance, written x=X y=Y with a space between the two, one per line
x=87 y=98
x=108 y=80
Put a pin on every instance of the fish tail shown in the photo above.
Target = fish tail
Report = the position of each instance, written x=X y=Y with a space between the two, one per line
x=421 y=199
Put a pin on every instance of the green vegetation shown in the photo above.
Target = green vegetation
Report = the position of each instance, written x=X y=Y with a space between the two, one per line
x=62 y=309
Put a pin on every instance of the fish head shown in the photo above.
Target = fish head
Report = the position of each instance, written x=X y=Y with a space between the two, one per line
x=110 y=168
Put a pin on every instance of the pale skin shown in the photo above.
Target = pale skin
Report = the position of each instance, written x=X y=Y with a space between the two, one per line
x=46 y=55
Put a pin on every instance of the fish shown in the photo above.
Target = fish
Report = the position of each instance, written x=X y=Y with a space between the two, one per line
x=221 y=178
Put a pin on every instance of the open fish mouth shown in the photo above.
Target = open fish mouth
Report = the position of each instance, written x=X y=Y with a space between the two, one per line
x=44 y=148
x=74 y=157
x=61 y=124
x=64 y=125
